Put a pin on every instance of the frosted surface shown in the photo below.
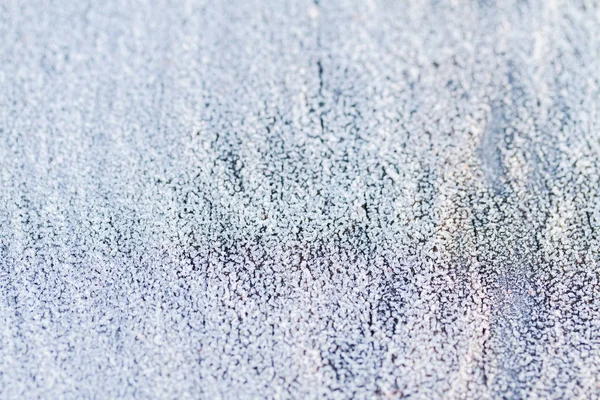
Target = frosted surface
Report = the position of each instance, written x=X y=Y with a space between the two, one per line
x=299 y=200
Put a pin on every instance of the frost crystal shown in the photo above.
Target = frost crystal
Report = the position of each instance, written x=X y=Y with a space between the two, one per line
x=300 y=199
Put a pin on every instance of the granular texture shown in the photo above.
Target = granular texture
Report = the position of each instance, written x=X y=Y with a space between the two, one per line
x=300 y=200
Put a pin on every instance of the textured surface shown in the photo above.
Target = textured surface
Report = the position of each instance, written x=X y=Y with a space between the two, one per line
x=333 y=199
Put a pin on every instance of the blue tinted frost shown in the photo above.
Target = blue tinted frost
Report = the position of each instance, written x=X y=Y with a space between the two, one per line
x=298 y=199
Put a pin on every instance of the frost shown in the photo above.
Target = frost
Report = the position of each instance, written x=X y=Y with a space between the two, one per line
x=300 y=199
